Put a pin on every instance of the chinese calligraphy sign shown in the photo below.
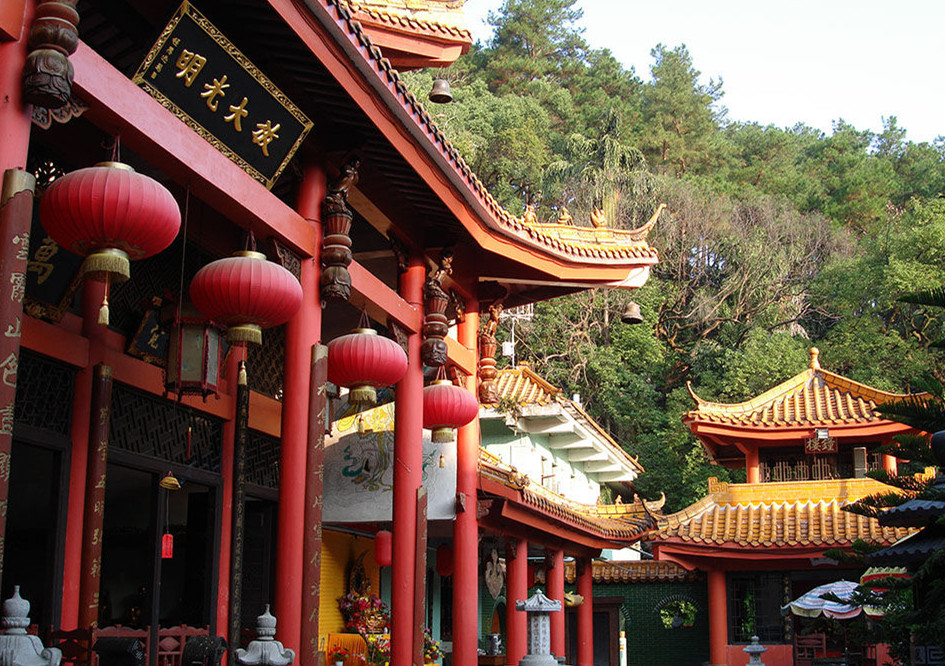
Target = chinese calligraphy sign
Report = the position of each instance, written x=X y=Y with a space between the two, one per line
x=203 y=79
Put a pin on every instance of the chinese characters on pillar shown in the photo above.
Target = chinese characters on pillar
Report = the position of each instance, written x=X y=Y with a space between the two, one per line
x=201 y=77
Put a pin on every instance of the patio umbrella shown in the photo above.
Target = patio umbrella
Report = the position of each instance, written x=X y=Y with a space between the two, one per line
x=812 y=604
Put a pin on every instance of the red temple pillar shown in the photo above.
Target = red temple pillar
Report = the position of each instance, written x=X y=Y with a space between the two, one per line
x=516 y=589
x=14 y=112
x=466 y=526
x=92 y=294
x=890 y=464
x=554 y=581
x=16 y=208
x=585 y=613
x=310 y=205
x=718 y=619
x=752 y=464
x=408 y=455
x=302 y=332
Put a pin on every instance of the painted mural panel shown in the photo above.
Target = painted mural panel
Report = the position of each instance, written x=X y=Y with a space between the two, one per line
x=359 y=455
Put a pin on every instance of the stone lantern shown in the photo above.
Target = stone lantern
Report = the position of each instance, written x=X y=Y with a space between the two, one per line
x=754 y=651
x=539 y=609
x=16 y=646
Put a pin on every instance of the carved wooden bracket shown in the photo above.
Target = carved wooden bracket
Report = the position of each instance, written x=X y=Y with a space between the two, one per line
x=54 y=36
x=435 y=326
x=287 y=258
x=488 y=345
x=336 y=244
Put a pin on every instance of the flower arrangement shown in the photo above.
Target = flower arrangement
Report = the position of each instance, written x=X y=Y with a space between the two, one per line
x=365 y=614
x=338 y=654
x=378 y=648
x=431 y=648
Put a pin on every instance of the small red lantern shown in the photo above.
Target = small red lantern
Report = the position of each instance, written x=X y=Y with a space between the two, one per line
x=383 y=548
x=446 y=407
x=167 y=546
x=363 y=362
x=110 y=215
x=246 y=293
x=444 y=561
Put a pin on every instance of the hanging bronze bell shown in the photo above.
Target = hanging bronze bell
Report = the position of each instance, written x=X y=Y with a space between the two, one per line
x=632 y=314
x=440 y=92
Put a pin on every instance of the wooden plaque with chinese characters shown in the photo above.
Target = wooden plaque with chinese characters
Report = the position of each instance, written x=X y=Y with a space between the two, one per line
x=203 y=79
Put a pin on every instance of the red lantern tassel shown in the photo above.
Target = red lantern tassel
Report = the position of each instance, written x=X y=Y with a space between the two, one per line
x=103 y=311
x=167 y=546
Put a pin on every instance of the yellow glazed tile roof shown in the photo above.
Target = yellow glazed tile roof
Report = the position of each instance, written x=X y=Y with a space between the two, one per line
x=524 y=387
x=812 y=398
x=413 y=16
x=637 y=571
x=768 y=515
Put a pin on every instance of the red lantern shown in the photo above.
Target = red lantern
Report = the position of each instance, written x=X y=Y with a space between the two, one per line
x=445 y=407
x=444 y=560
x=246 y=293
x=383 y=548
x=167 y=546
x=110 y=215
x=363 y=362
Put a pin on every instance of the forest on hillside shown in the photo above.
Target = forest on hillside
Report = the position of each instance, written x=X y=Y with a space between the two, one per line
x=774 y=240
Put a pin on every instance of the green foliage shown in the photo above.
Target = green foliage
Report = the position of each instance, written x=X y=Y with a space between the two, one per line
x=774 y=239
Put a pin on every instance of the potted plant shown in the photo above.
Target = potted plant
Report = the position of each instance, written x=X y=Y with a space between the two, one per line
x=337 y=655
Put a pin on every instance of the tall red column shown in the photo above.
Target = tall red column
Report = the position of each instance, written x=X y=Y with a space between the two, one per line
x=752 y=464
x=14 y=112
x=302 y=331
x=718 y=619
x=554 y=580
x=466 y=527
x=516 y=589
x=16 y=209
x=310 y=205
x=92 y=294
x=408 y=456
x=585 y=613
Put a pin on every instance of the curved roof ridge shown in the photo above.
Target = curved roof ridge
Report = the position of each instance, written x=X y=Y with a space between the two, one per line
x=813 y=396
x=408 y=20
x=615 y=245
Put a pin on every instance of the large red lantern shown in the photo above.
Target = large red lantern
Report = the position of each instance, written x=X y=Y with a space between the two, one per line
x=363 y=362
x=446 y=407
x=111 y=215
x=246 y=293
x=383 y=548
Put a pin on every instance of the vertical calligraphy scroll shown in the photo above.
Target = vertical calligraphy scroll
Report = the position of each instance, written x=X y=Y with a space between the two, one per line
x=94 y=518
x=240 y=439
x=16 y=211
x=313 y=504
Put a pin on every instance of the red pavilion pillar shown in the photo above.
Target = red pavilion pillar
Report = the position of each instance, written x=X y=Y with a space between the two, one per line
x=752 y=464
x=408 y=456
x=466 y=526
x=302 y=332
x=585 y=612
x=718 y=619
x=311 y=199
x=516 y=589
x=14 y=112
x=554 y=581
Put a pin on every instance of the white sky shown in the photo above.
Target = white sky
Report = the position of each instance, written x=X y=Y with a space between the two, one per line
x=810 y=61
